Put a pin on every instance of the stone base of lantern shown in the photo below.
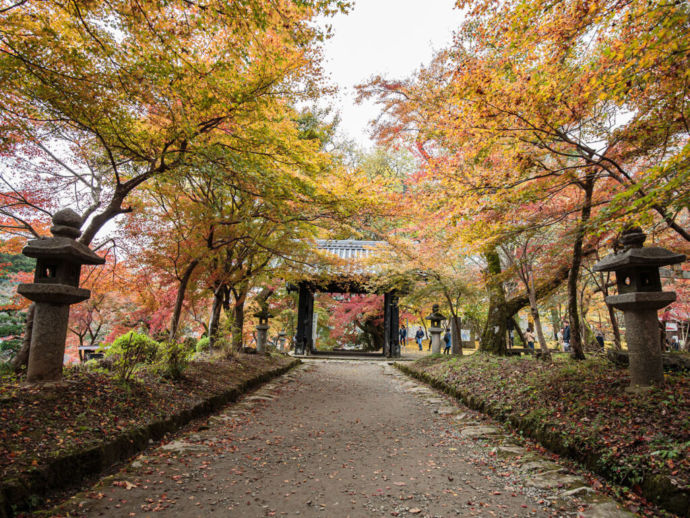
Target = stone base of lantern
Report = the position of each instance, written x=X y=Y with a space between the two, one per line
x=642 y=335
x=435 y=333
x=261 y=338
x=644 y=349
x=48 y=336
x=281 y=341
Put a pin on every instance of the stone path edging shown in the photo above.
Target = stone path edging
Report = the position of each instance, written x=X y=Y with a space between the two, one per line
x=15 y=491
x=656 y=488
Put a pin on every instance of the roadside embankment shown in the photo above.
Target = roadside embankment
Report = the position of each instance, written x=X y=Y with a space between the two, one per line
x=52 y=438
x=581 y=410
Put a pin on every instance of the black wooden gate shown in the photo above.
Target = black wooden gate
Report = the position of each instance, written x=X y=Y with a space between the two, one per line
x=304 y=341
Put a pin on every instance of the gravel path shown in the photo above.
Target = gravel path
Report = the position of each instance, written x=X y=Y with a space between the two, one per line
x=343 y=439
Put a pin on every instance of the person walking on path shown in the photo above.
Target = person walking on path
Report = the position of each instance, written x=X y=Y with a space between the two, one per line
x=529 y=337
x=446 y=340
x=403 y=335
x=419 y=336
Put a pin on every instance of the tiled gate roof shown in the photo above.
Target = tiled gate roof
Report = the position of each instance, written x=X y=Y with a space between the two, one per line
x=349 y=248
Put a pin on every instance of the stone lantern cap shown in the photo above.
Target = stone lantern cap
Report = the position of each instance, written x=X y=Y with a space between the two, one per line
x=436 y=315
x=263 y=315
x=63 y=246
x=634 y=254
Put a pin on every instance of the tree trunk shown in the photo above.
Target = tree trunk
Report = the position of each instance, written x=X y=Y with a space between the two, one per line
x=555 y=322
x=519 y=332
x=215 y=316
x=614 y=324
x=238 y=324
x=493 y=338
x=114 y=207
x=456 y=337
x=238 y=316
x=182 y=288
x=454 y=323
x=501 y=310
x=534 y=310
x=585 y=328
x=21 y=360
x=575 y=335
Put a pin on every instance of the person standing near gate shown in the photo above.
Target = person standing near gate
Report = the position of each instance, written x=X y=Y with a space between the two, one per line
x=403 y=335
x=446 y=340
x=419 y=336
x=529 y=337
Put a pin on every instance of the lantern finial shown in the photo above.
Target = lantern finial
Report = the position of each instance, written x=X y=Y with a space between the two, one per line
x=632 y=237
x=66 y=223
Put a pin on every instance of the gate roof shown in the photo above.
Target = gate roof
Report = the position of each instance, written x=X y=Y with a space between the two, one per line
x=353 y=262
x=351 y=250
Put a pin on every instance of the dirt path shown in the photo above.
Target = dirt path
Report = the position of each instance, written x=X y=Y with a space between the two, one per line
x=342 y=439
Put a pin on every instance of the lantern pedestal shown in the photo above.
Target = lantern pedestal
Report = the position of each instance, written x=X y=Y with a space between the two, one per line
x=48 y=337
x=281 y=341
x=435 y=330
x=435 y=333
x=261 y=335
x=262 y=329
x=642 y=334
x=644 y=349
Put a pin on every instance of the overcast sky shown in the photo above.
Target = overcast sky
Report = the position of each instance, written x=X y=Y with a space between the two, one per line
x=388 y=37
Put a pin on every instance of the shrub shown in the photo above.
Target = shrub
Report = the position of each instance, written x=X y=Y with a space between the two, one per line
x=189 y=343
x=203 y=344
x=6 y=369
x=131 y=350
x=173 y=359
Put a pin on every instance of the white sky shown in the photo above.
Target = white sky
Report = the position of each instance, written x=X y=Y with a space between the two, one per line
x=388 y=37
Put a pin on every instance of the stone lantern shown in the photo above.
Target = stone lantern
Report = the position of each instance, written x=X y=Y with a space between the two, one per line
x=640 y=297
x=262 y=329
x=282 y=337
x=435 y=330
x=55 y=288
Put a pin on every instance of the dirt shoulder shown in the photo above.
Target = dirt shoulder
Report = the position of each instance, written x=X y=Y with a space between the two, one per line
x=581 y=410
x=92 y=420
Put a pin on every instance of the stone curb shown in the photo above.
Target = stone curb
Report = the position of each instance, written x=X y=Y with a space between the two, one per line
x=69 y=469
x=659 y=489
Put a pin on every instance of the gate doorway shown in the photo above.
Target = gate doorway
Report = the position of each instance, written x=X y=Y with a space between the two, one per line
x=349 y=278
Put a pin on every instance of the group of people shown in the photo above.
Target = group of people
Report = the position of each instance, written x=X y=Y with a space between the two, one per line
x=419 y=338
x=563 y=337
x=671 y=345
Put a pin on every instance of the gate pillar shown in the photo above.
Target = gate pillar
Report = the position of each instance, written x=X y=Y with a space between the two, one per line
x=305 y=316
x=391 y=323
x=394 y=326
x=387 y=324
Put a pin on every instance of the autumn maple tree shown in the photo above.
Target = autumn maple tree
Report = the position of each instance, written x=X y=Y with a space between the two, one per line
x=567 y=116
